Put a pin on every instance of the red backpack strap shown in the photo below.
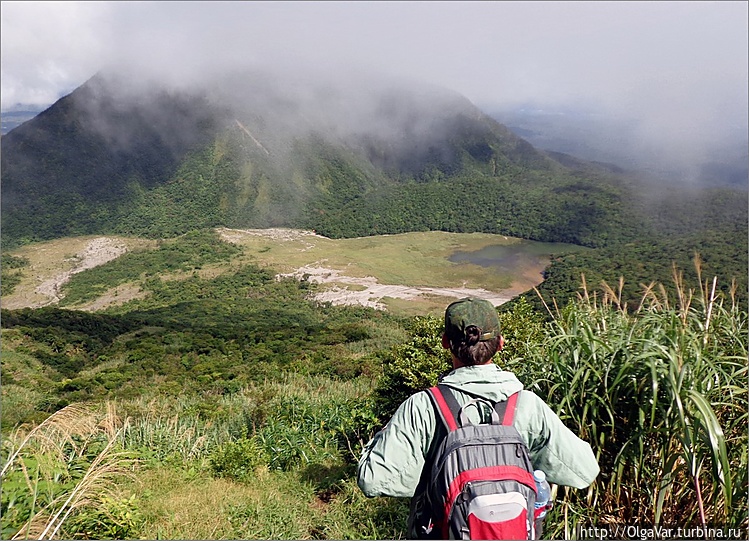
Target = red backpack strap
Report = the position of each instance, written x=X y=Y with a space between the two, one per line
x=447 y=406
x=509 y=416
x=506 y=409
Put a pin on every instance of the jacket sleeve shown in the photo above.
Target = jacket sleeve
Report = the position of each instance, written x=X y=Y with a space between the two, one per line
x=554 y=448
x=391 y=463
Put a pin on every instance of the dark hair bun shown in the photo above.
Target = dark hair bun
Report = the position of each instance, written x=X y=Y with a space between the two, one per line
x=473 y=334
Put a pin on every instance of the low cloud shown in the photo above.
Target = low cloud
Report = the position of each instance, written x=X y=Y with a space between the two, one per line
x=676 y=71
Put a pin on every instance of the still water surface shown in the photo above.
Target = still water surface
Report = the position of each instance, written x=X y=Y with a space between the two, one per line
x=513 y=258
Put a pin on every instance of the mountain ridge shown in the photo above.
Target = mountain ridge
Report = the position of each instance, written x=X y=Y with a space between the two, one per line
x=363 y=158
x=101 y=145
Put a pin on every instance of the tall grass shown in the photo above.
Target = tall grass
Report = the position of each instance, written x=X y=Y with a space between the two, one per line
x=274 y=461
x=660 y=392
x=60 y=469
x=299 y=419
x=59 y=477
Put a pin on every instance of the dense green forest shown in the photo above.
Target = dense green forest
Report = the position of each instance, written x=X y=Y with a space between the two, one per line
x=202 y=409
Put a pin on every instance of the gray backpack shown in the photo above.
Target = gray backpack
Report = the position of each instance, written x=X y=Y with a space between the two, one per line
x=481 y=483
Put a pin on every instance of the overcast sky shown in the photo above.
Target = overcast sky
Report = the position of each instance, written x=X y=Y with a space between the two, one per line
x=682 y=65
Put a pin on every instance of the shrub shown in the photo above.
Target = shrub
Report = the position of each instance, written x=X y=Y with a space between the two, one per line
x=239 y=459
x=112 y=518
x=10 y=275
x=411 y=367
x=60 y=468
x=351 y=515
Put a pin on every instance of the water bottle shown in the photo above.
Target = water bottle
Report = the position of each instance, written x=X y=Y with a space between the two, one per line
x=543 y=493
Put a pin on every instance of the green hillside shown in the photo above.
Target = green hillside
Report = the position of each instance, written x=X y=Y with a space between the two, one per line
x=200 y=410
x=164 y=163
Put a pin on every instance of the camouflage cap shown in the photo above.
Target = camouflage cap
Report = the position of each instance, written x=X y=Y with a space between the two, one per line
x=471 y=311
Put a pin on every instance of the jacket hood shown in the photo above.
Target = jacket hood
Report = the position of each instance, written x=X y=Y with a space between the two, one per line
x=486 y=380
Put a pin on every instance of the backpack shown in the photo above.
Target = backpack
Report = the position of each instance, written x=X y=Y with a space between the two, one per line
x=481 y=482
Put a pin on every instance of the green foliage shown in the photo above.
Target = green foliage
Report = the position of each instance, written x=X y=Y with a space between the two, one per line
x=65 y=342
x=192 y=333
x=112 y=518
x=58 y=473
x=308 y=429
x=305 y=433
x=14 y=262
x=20 y=403
x=275 y=516
x=194 y=198
x=239 y=459
x=413 y=366
x=646 y=262
x=178 y=439
x=522 y=328
x=470 y=175
x=351 y=515
x=67 y=175
x=19 y=503
x=657 y=392
x=188 y=252
x=11 y=275
x=216 y=175
x=540 y=205
x=660 y=394
x=598 y=367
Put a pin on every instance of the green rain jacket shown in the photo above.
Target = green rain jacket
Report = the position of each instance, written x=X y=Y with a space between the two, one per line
x=392 y=462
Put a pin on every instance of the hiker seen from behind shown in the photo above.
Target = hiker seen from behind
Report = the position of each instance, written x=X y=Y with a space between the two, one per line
x=466 y=450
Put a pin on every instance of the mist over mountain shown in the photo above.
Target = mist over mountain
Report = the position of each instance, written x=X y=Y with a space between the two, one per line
x=722 y=160
x=282 y=143
x=364 y=155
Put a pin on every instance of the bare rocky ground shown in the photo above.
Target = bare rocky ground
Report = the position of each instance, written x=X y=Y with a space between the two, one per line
x=365 y=291
x=52 y=265
x=236 y=235
x=373 y=292
x=97 y=252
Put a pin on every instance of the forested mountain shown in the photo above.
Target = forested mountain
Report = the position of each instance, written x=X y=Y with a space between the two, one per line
x=355 y=158
x=258 y=151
